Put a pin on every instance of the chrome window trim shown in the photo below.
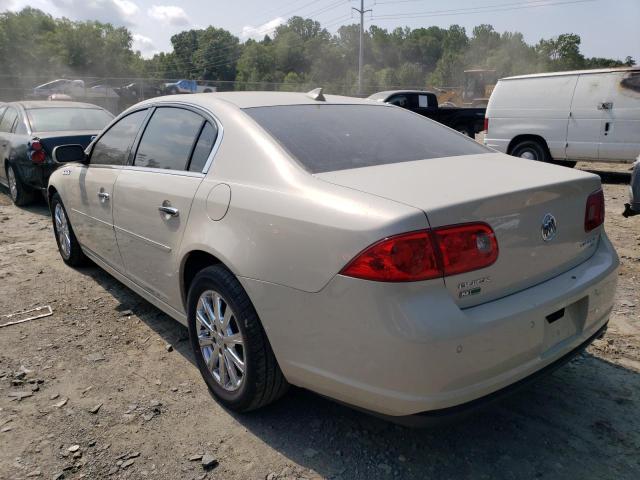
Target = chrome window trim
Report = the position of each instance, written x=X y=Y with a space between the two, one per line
x=216 y=145
x=208 y=115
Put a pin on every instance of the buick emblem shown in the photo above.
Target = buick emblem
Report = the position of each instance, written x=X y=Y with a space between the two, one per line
x=549 y=227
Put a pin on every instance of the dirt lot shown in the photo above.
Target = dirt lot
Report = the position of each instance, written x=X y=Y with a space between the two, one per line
x=101 y=378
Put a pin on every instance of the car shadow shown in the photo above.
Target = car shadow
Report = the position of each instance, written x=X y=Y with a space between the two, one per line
x=609 y=177
x=579 y=422
x=38 y=207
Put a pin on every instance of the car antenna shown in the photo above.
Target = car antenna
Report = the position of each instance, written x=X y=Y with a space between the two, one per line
x=316 y=94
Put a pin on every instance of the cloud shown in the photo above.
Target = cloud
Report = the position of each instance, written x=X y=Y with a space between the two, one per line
x=169 y=15
x=118 y=12
x=5 y=5
x=257 y=33
x=145 y=45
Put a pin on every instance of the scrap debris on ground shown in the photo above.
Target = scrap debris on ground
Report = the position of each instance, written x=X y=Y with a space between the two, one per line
x=106 y=388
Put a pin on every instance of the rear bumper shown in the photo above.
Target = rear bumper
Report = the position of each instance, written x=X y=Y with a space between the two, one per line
x=451 y=414
x=404 y=349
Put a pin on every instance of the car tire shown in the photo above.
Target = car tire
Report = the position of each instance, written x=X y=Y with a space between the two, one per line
x=531 y=150
x=261 y=382
x=21 y=195
x=68 y=244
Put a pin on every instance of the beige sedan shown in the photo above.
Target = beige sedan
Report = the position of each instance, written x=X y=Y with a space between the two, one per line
x=341 y=245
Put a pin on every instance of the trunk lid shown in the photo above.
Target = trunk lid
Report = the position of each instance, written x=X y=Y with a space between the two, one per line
x=50 y=140
x=512 y=195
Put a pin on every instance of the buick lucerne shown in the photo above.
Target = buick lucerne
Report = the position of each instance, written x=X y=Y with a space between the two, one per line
x=346 y=246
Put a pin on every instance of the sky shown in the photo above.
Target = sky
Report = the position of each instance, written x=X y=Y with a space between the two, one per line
x=608 y=28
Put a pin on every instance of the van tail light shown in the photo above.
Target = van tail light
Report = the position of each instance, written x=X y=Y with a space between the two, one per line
x=36 y=151
x=594 y=212
x=486 y=124
x=426 y=254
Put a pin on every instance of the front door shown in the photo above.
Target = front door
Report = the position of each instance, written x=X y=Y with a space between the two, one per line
x=153 y=199
x=585 y=119
x=92 y=192
x=620 y=129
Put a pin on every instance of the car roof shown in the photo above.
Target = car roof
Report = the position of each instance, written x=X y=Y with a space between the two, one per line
x=257 y=99
x=575 y=72
x=30 y=104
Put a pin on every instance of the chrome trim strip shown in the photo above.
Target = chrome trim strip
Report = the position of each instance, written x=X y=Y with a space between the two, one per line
x=182 y=173
x=92 y=218
x=146 y=240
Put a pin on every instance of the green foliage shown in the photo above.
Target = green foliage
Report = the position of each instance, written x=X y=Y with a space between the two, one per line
x=36 y=47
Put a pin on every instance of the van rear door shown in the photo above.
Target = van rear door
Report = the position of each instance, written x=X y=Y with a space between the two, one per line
x=585 y=120
x=620 y=126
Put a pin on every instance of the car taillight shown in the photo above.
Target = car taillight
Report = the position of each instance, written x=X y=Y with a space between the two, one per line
x=426 y=254
x=594 y=212
x=486 y=124
x=467 y=247
x=36 y=151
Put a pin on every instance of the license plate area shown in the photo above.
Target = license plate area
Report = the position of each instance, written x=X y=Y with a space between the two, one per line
x=565 y=323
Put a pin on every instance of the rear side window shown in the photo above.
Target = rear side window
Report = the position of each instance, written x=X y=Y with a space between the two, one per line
x=326 y=138
x=203 y=148
x=168 y=139
x=113 y=147
x=7 y=120
x=61 y=119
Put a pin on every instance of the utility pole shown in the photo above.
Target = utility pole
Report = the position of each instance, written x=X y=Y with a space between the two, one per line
x=361 y=11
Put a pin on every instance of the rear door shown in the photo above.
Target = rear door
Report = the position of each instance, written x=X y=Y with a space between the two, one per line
x=585 y=119
x=620 y=129
x=90 y=191
x=153 y=197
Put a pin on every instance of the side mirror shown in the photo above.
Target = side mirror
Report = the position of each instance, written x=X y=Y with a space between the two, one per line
x=69 y=153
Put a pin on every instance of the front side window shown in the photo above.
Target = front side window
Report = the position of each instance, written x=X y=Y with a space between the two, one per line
x=168 y=139
x=326 y=138
x=113 y=147
x=64 y=119
x=7 y=119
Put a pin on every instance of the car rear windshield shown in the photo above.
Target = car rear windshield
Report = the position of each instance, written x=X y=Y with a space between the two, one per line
x=326 y=138
x=62 y=118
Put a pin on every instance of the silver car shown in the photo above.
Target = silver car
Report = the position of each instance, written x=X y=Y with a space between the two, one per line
x=341 y=245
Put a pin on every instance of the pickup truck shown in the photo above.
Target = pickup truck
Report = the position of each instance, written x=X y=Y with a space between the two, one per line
x=465 y=120
x=188 y=86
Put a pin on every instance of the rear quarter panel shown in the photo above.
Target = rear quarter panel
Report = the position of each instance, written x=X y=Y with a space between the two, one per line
x=283 y=225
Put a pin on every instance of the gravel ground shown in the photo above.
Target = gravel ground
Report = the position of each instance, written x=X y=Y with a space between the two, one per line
x=105 y=397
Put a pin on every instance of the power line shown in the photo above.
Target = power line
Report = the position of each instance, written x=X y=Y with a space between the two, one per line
x=484 y=9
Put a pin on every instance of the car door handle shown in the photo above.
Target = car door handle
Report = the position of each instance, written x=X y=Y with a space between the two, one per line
x=174 y=212
x=605 y=106
x=104 y=196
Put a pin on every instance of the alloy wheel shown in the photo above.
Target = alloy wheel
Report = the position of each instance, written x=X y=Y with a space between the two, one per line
x=13 y=183
x=220 y=340
x=62 y=230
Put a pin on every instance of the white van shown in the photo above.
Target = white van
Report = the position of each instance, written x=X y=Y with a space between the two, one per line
x=589 y=115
